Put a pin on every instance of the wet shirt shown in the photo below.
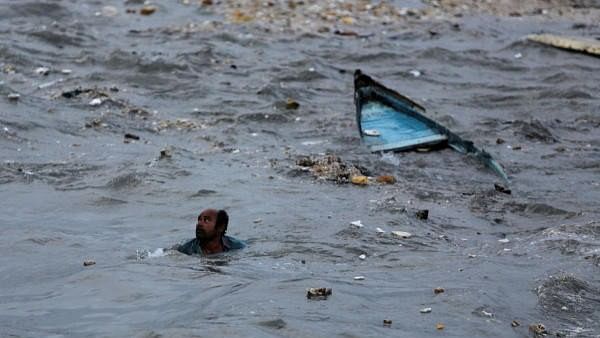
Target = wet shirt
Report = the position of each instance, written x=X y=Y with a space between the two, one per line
x=192 y=247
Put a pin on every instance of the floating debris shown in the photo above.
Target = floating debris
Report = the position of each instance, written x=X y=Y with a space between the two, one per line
x=318 y=293
x=425 y=310
x=402 y=234
x=359 y=278
x=515 y=323
x=438 y=290
x=574 y=44
x=422 y=214
x=330 y=167
x=49 y=84
x=538 y=330
x=148 y=10
x=14 y=96
x=386 y=179
x=131 y=136
x=110 y=11
x=504 y=240
x=363 y=256
x=357 y=224
x=389 y=111
x=166 y=153
x=487 y=314
x=291 y=104
x=380 y=230
x=440 y=326
x=371 y=132
x=42 y=71
x=518 y=55
x=94 y=102
x=88 y=262
x=415 y=73
x=66 y=71
x=179 y=124
x=240 y=17
x=502 y=189
x=359 y=180
x=387 y=322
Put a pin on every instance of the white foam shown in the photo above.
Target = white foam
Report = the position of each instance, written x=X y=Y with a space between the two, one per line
x=160 y=252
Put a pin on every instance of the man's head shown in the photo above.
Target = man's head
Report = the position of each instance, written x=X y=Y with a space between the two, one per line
x=211 y=224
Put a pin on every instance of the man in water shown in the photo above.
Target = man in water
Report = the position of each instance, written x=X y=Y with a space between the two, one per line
x=210 y=235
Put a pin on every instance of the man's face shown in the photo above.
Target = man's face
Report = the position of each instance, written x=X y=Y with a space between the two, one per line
x=206 y=228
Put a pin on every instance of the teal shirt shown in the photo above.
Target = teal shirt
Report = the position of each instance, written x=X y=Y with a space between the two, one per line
x=192 y=247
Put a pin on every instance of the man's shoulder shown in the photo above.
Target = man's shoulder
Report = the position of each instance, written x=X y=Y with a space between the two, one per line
x=232 y=243
x=189 y=248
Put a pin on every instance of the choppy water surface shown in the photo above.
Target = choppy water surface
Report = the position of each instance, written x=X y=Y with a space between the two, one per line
x=212 y=94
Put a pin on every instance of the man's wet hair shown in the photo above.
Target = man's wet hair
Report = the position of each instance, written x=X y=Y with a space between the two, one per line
x=222 y=218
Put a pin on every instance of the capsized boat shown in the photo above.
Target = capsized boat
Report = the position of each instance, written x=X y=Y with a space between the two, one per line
x=389 y=121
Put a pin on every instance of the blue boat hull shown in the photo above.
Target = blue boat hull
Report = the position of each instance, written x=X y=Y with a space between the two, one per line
x=389 y=121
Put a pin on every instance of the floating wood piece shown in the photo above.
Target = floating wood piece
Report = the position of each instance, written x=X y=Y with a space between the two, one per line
x=582 y=45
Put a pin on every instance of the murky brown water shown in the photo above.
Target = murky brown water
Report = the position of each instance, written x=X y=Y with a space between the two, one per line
x=213 y=94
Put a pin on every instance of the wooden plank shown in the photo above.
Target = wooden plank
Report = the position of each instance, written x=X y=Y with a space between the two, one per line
x=582 y=45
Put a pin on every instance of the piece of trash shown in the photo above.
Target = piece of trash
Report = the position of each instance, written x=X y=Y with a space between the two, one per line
x=330 y=167
x=425 y=310
x=363 y=256
x=538 y=330
x=472 y=256
x=109 y=11
x=440 y=326
x=502 y=189
x=387 y=322
x=357 y=224
x=515 y=323
x=415 y=73
x=49 y=84
x=345 y=33
x=371 y=132
x=291 y=104
x=582 y=45
x=258 y=220
x=359 y=278
x=422 y=214
x=438 y=290
x=347 y=20
x=14 y=96
x=318 y=293
x=387 y=111
x=487 y=314
x=359 y=180
x=88 y=262
x=164 y=153
x=386 y=179
x=504 y=240
x=95 y=102
x=402 y=234
x=132 y=136
x=564 y=308
x=148 y=10
x=380 y=230
x=66 y=71
x=518 y=56
x=42 y=71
